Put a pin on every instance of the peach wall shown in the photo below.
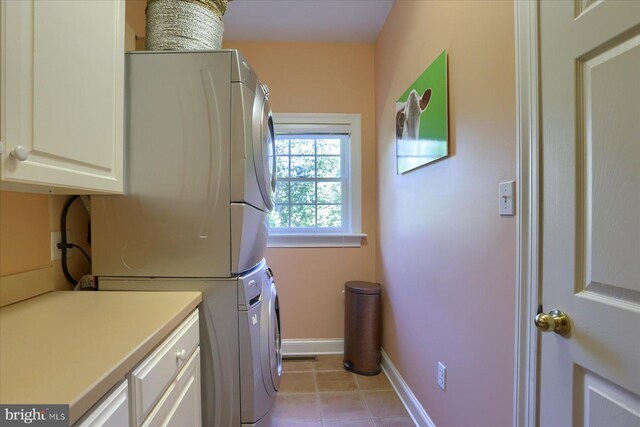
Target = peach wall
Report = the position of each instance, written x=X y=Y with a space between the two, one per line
x=26 y=223
x=24 y=232
x=446 y=258
x=135 y=16
x=321 y=78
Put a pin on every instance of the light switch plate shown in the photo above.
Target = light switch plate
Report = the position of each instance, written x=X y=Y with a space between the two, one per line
x=442 y=376
x=507 y=193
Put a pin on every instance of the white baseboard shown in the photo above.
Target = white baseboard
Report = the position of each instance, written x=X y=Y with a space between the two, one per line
x=415 y=409
x=312 y=347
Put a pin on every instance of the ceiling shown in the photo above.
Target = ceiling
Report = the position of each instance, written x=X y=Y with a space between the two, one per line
x=306 y=20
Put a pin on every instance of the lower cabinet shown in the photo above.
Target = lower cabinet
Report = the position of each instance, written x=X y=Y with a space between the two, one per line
x=180 y=405
x=163 y=390
x=111 y=411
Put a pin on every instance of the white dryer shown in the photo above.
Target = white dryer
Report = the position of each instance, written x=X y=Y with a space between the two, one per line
x=199 y=170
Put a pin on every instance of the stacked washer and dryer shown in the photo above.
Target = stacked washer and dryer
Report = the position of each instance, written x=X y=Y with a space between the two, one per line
x=200 y=185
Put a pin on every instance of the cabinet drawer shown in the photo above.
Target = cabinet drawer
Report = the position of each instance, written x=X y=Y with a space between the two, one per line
x=180 y=405
x=149 y=380
x=111 y=411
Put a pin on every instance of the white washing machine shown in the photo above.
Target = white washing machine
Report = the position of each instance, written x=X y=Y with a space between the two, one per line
x=260 y=351
x=240 y=342
x=199 y=170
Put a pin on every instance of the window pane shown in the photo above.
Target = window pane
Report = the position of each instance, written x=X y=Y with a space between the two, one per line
x=313 y=159
x=282 y=147
x=282 y=167
x=279 y=217
x=302 y=146
x=329 y=192
x=328 y=167
x=328 y=146
x=282 y=192
x=303 y=216
x=303 y=192
x=302 y=167
x=330 y=216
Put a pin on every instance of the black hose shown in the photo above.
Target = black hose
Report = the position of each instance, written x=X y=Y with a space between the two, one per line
x=63 y=239
x=81 y=249
x=64 y=245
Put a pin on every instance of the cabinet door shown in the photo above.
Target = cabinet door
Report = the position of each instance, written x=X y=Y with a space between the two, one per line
x=180 y=405
x=62 y=75
x=112 y=411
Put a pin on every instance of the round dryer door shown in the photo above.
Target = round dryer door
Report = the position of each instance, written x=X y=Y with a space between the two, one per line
x=264 y=153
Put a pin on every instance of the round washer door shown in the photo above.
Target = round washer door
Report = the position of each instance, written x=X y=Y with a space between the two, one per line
x=271 y=340
x=276 y=344
x=264 y=153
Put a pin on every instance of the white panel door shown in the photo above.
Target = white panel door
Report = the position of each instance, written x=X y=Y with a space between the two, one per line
x=590 y=91
x=62 y=94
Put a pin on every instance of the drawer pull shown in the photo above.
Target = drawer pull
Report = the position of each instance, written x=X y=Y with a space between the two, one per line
x=182 y=355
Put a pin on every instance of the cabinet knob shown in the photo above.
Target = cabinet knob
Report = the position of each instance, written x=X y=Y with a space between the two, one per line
x=20 y=153
x=182 y=355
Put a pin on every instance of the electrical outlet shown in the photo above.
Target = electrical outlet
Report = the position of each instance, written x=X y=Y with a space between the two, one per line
x=442 y=376
x=56 y=237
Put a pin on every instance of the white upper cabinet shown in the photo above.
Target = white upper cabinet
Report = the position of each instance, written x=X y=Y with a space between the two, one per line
x=62 y=85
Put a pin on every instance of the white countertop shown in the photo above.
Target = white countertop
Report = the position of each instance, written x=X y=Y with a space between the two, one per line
x=73 y=347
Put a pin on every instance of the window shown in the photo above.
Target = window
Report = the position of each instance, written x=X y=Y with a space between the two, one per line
x=318 y=181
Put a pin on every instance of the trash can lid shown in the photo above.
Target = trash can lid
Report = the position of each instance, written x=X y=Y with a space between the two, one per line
x=366 y=288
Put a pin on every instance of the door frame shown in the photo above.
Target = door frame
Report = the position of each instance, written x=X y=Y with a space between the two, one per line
x=526 y=375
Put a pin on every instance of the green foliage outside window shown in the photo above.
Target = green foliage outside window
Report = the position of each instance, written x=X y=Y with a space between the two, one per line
x=309 y=182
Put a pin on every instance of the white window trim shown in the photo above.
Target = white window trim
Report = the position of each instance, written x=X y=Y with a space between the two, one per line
x=353 y=157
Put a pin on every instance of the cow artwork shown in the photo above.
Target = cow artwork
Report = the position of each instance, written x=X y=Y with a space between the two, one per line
x=421 y=119
x=408 y=116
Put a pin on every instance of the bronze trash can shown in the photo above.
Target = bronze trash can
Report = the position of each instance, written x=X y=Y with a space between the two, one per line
x=362 y=333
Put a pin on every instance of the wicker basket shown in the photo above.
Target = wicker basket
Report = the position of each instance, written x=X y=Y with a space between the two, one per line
x=185 y=24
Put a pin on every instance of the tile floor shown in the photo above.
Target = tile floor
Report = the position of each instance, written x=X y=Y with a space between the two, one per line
x=320 y=393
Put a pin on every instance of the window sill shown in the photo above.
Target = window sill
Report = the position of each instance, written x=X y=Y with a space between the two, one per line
x=334 y=240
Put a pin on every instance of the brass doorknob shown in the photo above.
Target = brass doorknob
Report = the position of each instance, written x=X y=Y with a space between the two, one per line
x=554 y=321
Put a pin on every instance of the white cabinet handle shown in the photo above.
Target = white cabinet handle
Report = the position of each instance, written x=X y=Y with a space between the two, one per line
x=1 y=148
x=182 y=355
x=20 y=153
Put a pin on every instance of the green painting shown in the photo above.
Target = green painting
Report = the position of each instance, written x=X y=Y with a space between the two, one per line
x=422 y=119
